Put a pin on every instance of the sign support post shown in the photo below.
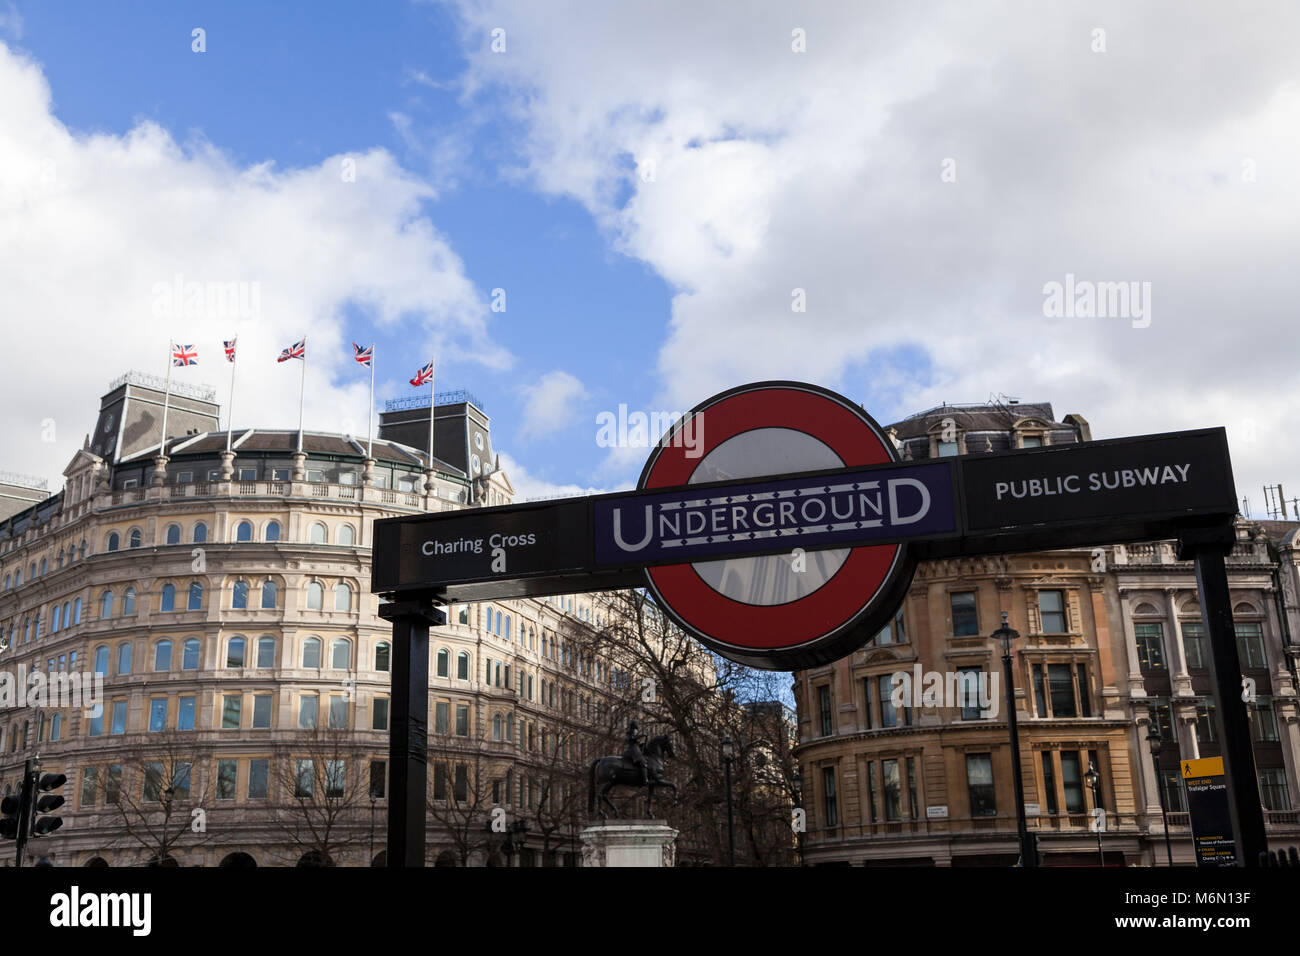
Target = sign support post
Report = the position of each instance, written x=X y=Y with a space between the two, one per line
x=408 y=732
x=1208 y=547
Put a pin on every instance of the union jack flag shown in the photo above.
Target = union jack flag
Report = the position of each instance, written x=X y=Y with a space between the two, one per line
x=230 y=350
x=423 y=375
x=364 y=355
x=184 y=355
x=298 y=350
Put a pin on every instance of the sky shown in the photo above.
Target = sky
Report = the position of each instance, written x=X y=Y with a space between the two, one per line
x=577 y=206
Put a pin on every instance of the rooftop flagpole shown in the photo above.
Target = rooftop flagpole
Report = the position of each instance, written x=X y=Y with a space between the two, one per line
x=167 y=395
x=432 y=397
x=302 y=388
x=230 y=412
x=370 y=411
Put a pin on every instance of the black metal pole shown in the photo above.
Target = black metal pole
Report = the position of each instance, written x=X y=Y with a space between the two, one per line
x=1208 y=547
x=25 y=796
x=408 y=733
x=1164 y=817
x=1101 y=855
x=1028 y=855
x=731 y=829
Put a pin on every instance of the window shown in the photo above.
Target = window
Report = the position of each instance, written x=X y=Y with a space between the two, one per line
x=464 y=614
x=113 y=542
x=265 y=652
x=269 y=595
x=307 y=706
x=461 y=791
x=1250 y=646
x=185 y=713
x=113 y=784
x=1051 y=612
x=1161 y=718
x=318 y=535
x=884 y=636
x=101 y=660
x=443 y=661
x=828 y=796
x=338 y=719
x=1273 y=790
x=168 y=600
x=173 y=534
x=341 y=654
x=462 y=720
x=128 y=601
x=1194 y=645
x=153 y=779
x=462 y=666
x=248 y=474
x=979 y=782
x=888 y=713
x=227 y=771
x=335 y=777
x=239 y=600
x=162 y=656
x=866 y=702
x=824 y=709
x=315 y=596
x=947 y=449
x=377 y=778
x=157 y=715
x=1263 y=721
x=311 y=652
x=55 y=619
x=279 y=474
x=379 y=714
x=965 y=619
x=196 y=596
x=342 y=597
x=262 y=711
x=1150 y=646
x=134 y=538
x=118 y=725
x=258 y=774
x=1031 y=441
x=89 y=783
x=346 y=535
x=1085 y=697
x=124 y=659
x=302 y=778
x=1072 y=781
x=1205 y=721
x=968 y=692
x=76 y=611
x=272 y=531
x=1049 y=782
x=441 y=716
x=1060 y=685
x=106 y=604
x=232 y=706
x=892 y=789
x=383 y=654
x=912 y=803
x=200 y=533
x=235 y=652
x=496 y=727
x=244 y=531
x=190 y=655
x=315 y=475
x=439 y=782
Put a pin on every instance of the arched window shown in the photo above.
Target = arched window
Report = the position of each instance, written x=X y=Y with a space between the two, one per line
x=173 y=534
x=168 y=600
x=58 y=558
x=200 y=532
x=162 y=656
x=76 y=611
x=44 y=566
x=273 y=531
x=239 y=601
x=244 y=531
x=235 y=652
x=266 y=652
x=101 y=660
x=190 y=655
x=342 y=597
x=81 y=552
x=56 y=726
x=268 y=594
x=318 y=535
x=106 y=604
x=346 y=535
x=462 y=666
x=196 y=596
x=128 y=601
x=113 y=543
x=135 y=538
x=67 y=614
x=496 y=726
x=444 y=662
x=490 y=614
x=507 y=627
x=315 y=596
x=382 y=656
x=341 y=654
x=55 y=619
x=124 y=659
x=311 y=652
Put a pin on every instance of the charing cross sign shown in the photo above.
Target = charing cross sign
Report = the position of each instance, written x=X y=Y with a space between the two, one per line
x=784 y=534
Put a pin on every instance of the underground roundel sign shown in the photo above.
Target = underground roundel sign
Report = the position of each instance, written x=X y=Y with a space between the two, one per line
x=778 y=610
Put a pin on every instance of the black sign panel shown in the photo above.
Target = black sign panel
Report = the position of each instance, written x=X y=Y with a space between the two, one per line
x=1207 y=805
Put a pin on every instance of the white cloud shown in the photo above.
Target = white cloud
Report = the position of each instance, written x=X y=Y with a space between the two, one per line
x=775 y=170
x=550 y=404
x=90 y=224
x=528 y=485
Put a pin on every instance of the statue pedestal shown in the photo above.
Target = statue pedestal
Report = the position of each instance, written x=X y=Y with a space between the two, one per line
x=629 y=843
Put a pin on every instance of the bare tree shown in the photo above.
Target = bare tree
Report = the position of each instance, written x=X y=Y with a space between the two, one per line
x=161 y=799
x=323 y=787
x=461 y=776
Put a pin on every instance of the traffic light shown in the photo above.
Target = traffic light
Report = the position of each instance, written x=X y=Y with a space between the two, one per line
x=45 y=825
x=10 y=812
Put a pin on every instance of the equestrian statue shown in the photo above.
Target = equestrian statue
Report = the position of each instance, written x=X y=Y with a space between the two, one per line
x=642 y=765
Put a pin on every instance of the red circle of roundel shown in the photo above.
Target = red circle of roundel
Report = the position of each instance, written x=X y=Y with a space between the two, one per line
x=848 y=432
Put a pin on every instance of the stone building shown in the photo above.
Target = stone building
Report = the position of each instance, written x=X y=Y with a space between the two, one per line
x=223 y=597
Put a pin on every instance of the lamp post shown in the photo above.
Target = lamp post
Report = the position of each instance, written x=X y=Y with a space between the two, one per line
x=1154 y=741
x=728 y=755
x=1093 y=779
x=372 y=829
x=1028 y=852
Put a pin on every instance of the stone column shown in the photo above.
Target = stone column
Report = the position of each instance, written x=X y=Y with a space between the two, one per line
x=227 y=465
x=1181 y=682
x=299 y=466
x=629 y=843
x=160 y=471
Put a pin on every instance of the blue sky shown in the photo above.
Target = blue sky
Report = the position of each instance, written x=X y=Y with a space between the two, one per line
x=653 y=186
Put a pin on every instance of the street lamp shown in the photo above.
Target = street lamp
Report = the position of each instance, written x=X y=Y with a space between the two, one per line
x=372 y=829
x=728 y=755
x=1093 y=779
x=1028 y=852
x=1154 y=741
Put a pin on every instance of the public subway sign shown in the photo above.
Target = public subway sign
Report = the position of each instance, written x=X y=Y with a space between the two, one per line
x=789 y=534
